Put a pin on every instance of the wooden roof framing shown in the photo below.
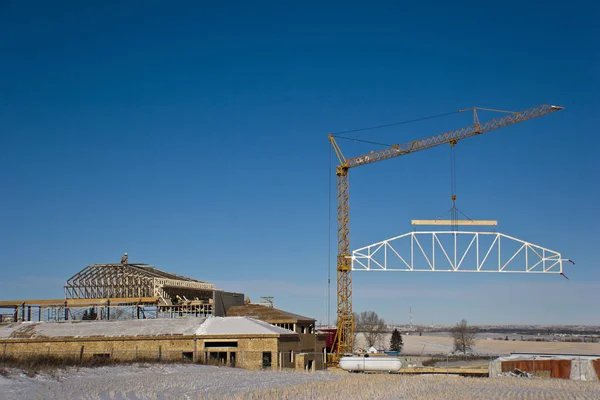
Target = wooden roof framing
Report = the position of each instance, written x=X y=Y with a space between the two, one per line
x=105 y=281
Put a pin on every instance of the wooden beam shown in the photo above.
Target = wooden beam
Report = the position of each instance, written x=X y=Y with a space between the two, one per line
x=16 y=303
x=78 y=302
x=458 y=222
x=113 y=301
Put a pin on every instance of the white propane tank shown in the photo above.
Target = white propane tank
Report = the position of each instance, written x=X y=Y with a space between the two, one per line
x=359 y=363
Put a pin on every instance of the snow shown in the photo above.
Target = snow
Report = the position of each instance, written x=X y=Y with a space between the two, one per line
x=160 y=381
x=150 y=381
x=238 y=326
x=5 y=331
x=142 y=327
x=139 y=327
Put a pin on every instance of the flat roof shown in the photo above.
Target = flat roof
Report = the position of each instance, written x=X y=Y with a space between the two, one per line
x=199 y=326
x=267 y=313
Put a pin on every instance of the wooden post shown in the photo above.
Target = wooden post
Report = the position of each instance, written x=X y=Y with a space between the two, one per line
x=159 y=353
x=40 y=314
x=108 y=310
x=195 y=349
x=81 y=354
x=28 y=313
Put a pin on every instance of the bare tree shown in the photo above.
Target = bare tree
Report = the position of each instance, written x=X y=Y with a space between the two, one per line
x=464 y=337
x=355 y=331
x=369 y=324
x=119 y=313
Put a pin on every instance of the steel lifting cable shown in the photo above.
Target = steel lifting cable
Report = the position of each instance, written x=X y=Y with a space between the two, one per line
x=329 y=173
x=453 y=213
x=389 y=125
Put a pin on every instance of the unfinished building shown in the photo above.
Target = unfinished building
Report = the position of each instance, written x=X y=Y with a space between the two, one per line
x=133 y=290
x=175 y=294
x=134 y=281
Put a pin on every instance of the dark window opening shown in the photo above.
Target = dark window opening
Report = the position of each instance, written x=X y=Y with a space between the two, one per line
x=287 y=326
x=187 y=356
x=209 y=345
x=232 y=359
x=266 y=359
x=219 y=357
x=101 y=355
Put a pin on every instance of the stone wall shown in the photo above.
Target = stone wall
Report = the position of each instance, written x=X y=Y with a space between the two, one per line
x=241 y=351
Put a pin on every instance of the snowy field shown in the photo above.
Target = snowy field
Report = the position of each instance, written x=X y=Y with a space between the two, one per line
x=206 y=382
x=150 y=381
x=443 y=344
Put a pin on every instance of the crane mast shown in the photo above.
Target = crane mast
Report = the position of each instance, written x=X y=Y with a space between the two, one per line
x=344 y=339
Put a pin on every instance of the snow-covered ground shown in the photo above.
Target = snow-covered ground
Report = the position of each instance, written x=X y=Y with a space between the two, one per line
x=149 y=381
x=204 y=382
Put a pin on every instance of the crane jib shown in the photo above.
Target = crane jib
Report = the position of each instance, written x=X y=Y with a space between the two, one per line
x=447 y=137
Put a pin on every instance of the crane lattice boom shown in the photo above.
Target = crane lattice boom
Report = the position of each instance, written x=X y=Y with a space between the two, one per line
x=454 y=136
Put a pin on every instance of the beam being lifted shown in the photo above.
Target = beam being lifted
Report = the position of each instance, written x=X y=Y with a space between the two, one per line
x=457 y=251
x=465 y=222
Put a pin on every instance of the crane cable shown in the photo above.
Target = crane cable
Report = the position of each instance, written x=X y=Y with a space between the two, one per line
x=395 y=123
x=329 y=239
x=454 y=211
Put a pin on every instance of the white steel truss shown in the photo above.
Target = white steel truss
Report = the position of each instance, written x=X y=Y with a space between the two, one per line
x=457 y=251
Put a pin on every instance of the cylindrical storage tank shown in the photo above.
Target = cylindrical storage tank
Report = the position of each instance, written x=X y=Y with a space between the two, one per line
x=357 y=363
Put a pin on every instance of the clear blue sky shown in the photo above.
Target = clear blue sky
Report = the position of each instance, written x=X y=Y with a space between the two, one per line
x=193 y=136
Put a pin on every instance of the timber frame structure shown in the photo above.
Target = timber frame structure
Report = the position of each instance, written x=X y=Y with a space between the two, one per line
x=131 y=291
x=106 y=281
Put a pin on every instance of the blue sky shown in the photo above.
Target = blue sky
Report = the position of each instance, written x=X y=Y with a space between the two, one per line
x=194 y=137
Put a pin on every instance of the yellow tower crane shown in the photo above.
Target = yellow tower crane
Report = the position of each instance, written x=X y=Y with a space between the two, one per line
x=344 y=338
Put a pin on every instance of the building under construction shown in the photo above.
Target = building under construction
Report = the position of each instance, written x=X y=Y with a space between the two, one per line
x=127 y=291
x=256 y=337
